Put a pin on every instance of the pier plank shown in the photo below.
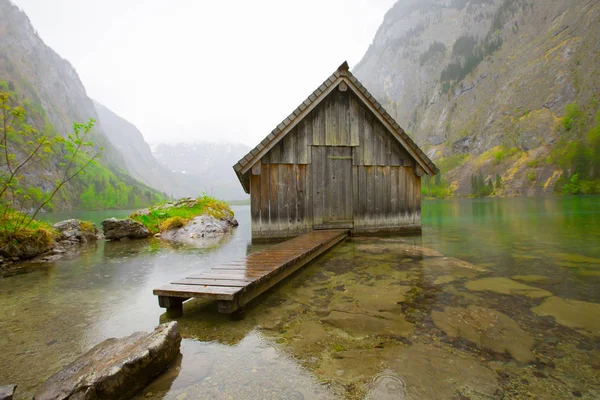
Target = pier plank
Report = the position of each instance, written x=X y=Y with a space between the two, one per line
x=234 y=284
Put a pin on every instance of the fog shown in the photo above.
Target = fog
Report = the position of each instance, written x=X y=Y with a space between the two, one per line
x=190 y=71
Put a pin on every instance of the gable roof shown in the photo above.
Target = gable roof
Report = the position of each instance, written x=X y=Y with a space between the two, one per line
x=342 y=74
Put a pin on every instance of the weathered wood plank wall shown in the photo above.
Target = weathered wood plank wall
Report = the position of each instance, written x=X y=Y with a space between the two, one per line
x=384 y=195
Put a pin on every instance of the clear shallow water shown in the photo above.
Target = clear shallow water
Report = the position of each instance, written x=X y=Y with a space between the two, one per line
x=497 y=299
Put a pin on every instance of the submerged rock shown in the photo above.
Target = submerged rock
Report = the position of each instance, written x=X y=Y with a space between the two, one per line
x=117 y=229
x=203 y=231
x=531 y=278
x=387 y=386
x=572 y=313
x=7 y=392
x=506 y=286
x=421 y=371
x=362 y=325
x=486 y=328
x=442 y=280
x=115 y=368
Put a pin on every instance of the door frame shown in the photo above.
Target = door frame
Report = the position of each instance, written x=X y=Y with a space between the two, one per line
x=322 y=156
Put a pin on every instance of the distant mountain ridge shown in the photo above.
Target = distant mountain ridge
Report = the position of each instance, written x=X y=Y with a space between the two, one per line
x=207 y=164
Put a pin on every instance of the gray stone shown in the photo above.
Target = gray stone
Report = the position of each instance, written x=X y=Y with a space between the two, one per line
x=117 y=229
x=7 y=392
x=116 y=368
x=203 y=231
x=74 y=230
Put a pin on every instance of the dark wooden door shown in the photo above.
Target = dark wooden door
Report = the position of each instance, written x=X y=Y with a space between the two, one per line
x=332 y=187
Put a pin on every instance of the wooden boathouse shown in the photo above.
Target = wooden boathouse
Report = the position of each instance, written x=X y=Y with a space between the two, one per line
x=339 y=161
x=339 y=164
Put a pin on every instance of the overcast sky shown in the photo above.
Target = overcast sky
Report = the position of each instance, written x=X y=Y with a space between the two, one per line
x=197 y=70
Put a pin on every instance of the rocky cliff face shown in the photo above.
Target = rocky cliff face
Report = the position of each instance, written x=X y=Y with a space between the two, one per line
x=39 y=74
x=482 y=84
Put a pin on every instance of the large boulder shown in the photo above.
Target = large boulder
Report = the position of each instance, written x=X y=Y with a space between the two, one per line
x=116 y=368
x=203 y=230
x=117 y=229
x=76 y=231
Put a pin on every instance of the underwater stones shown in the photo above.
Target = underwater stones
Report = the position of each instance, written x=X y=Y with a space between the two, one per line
x=362 y=325
x=486 y=328
x=387 y=385
x=307 y=336
x=531 y=278
x=117 y=229
x=421 y=371
x=575 y=314
x=442 y=280
x=575 y=258
x=416 y=251
x=115 y=368
x=372 y=299
x=393 y=247
x=506 y=286
x=431 y=372
x=453 y=266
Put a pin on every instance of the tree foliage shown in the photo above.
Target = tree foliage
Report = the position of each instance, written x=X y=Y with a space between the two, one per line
x=578 y=152
x=24 y=151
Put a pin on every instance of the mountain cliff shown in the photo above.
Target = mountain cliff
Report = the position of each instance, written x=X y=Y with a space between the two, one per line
x=489 y=89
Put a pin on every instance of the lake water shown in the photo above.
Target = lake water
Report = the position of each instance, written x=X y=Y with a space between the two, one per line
x=498 y=299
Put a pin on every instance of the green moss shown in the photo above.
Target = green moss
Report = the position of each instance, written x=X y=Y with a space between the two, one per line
x=173 y=223
x=159 y=219
x=87 y=226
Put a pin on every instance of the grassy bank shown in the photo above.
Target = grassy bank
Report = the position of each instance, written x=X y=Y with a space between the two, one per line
x=168 y=216
x=16 y=240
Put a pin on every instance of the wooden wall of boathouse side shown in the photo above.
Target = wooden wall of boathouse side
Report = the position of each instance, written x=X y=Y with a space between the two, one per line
x=386 y=193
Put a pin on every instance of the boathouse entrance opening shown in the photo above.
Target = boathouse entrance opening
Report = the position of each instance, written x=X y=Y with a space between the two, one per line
x=332 y=187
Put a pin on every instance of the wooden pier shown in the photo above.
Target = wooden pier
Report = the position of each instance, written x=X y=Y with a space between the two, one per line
x=235 y=284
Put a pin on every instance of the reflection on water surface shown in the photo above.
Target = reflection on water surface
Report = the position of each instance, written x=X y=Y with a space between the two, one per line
x=497 y=299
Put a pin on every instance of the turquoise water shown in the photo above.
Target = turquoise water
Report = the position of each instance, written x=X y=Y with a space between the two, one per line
x=498 y=299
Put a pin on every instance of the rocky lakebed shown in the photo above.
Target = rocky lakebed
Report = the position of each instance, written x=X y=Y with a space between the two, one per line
x=470 y=310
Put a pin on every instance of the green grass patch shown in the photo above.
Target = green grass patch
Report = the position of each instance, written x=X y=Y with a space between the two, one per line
x=159 y=219
x=449 y=163
x=504 y=153
x=15 y=240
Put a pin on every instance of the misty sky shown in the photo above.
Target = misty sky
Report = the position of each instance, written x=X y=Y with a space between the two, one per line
x=189 y=70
